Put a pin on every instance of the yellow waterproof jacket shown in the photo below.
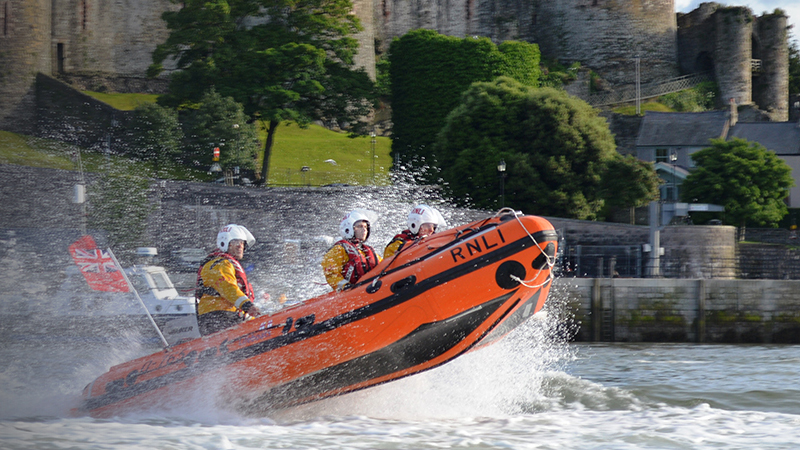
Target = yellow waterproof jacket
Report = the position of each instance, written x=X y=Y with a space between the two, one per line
x=398 y=242
x=223 y=285
x=392 y=248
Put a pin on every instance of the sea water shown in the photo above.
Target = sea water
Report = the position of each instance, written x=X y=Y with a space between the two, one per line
x=532 y=390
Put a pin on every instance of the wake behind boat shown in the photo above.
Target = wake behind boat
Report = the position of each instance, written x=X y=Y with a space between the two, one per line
x=448 y=294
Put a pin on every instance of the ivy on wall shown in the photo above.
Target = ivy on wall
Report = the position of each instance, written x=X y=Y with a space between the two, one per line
x=429 y=71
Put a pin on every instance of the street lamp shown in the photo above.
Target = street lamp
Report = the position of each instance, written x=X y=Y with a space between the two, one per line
x=673 y=157
x=372 y=135
x=501 y=167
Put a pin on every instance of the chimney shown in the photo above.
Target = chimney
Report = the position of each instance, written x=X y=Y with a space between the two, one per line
x=734 y=113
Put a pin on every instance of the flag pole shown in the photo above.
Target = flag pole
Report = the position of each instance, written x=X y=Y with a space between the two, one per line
x=136 y=293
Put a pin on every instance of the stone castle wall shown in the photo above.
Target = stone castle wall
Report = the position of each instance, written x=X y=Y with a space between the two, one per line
x=608 y=35
x=732 y=54
x=99 y=42
x=770 y=83
x=726 y=40
x=110 y=37
x=605 y=35
x=24 y=52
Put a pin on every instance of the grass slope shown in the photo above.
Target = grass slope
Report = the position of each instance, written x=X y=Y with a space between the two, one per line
x=295 y=148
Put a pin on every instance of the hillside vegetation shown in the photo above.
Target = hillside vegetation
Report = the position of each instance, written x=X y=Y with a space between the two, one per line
x=349 y=160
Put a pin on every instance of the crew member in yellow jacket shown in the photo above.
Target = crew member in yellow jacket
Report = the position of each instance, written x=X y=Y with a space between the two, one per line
x=350 y=258
x=224 y=296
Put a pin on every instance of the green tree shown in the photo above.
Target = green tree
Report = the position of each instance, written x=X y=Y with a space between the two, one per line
x=155 y=135
x=219 y=122
x=119 y=204
x=429 y=71
x=555 y=146
x=630 y=183
x=281 y=59
x=750 y=181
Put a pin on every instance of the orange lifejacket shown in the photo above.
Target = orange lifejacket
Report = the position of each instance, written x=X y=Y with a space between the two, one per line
x=362 y=259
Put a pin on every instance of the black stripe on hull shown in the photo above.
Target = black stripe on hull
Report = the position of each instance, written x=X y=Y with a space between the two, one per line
x=125 y=388
x=519 y=316
x=429 y=341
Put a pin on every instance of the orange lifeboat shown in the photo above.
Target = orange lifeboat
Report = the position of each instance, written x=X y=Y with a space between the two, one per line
x=439 y=298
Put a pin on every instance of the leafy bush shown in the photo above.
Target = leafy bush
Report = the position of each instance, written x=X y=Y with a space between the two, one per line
x=554 y=74
x=155 y=135
x=702 y=97
x=219 y=122
x=556 y=148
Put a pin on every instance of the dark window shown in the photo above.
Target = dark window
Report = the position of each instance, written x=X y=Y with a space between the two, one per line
x=60 y=57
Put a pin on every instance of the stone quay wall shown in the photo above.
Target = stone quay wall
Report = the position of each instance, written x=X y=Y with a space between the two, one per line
x=681 y=310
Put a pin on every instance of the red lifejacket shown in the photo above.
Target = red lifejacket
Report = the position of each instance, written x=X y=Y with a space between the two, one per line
x=404 y=237
x=359 y=262
x=241 y=277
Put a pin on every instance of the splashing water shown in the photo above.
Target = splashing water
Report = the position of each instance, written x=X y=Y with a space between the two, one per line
x=504 y=379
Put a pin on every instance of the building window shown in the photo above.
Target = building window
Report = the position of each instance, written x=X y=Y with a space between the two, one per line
x=662 y=155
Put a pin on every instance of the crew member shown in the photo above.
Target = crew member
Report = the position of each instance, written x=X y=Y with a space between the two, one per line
x=223 y=295
x=422 y=221
x=350 y=258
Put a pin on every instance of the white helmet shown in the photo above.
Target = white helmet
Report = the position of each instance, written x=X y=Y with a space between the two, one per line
x=232 y=232
x=356 y=215
x=425 y=214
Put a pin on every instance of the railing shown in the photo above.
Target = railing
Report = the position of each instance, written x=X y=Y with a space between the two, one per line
x=627 y=93
x=308 y=177
x=628 y=261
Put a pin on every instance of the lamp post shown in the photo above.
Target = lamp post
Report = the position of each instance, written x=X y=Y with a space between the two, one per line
x=501 y=168
x=673 y=157
x=372 y=135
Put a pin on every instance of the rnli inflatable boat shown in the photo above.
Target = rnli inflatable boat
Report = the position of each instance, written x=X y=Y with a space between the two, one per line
x=446 y=295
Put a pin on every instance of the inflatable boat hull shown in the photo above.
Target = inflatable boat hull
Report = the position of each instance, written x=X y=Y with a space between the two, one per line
x=437 y=299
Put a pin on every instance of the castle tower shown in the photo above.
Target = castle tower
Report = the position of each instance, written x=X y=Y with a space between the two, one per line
x=24 y=51
x=733 y=53
x=771 y=80
x=695 y=49
x=608 y=35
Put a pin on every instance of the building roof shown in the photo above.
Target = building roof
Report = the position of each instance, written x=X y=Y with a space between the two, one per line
x=682 y=129
x=783 y=138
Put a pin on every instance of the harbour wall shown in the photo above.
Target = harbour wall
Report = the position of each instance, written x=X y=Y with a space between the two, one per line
x=38 y=222
x=680 y=310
